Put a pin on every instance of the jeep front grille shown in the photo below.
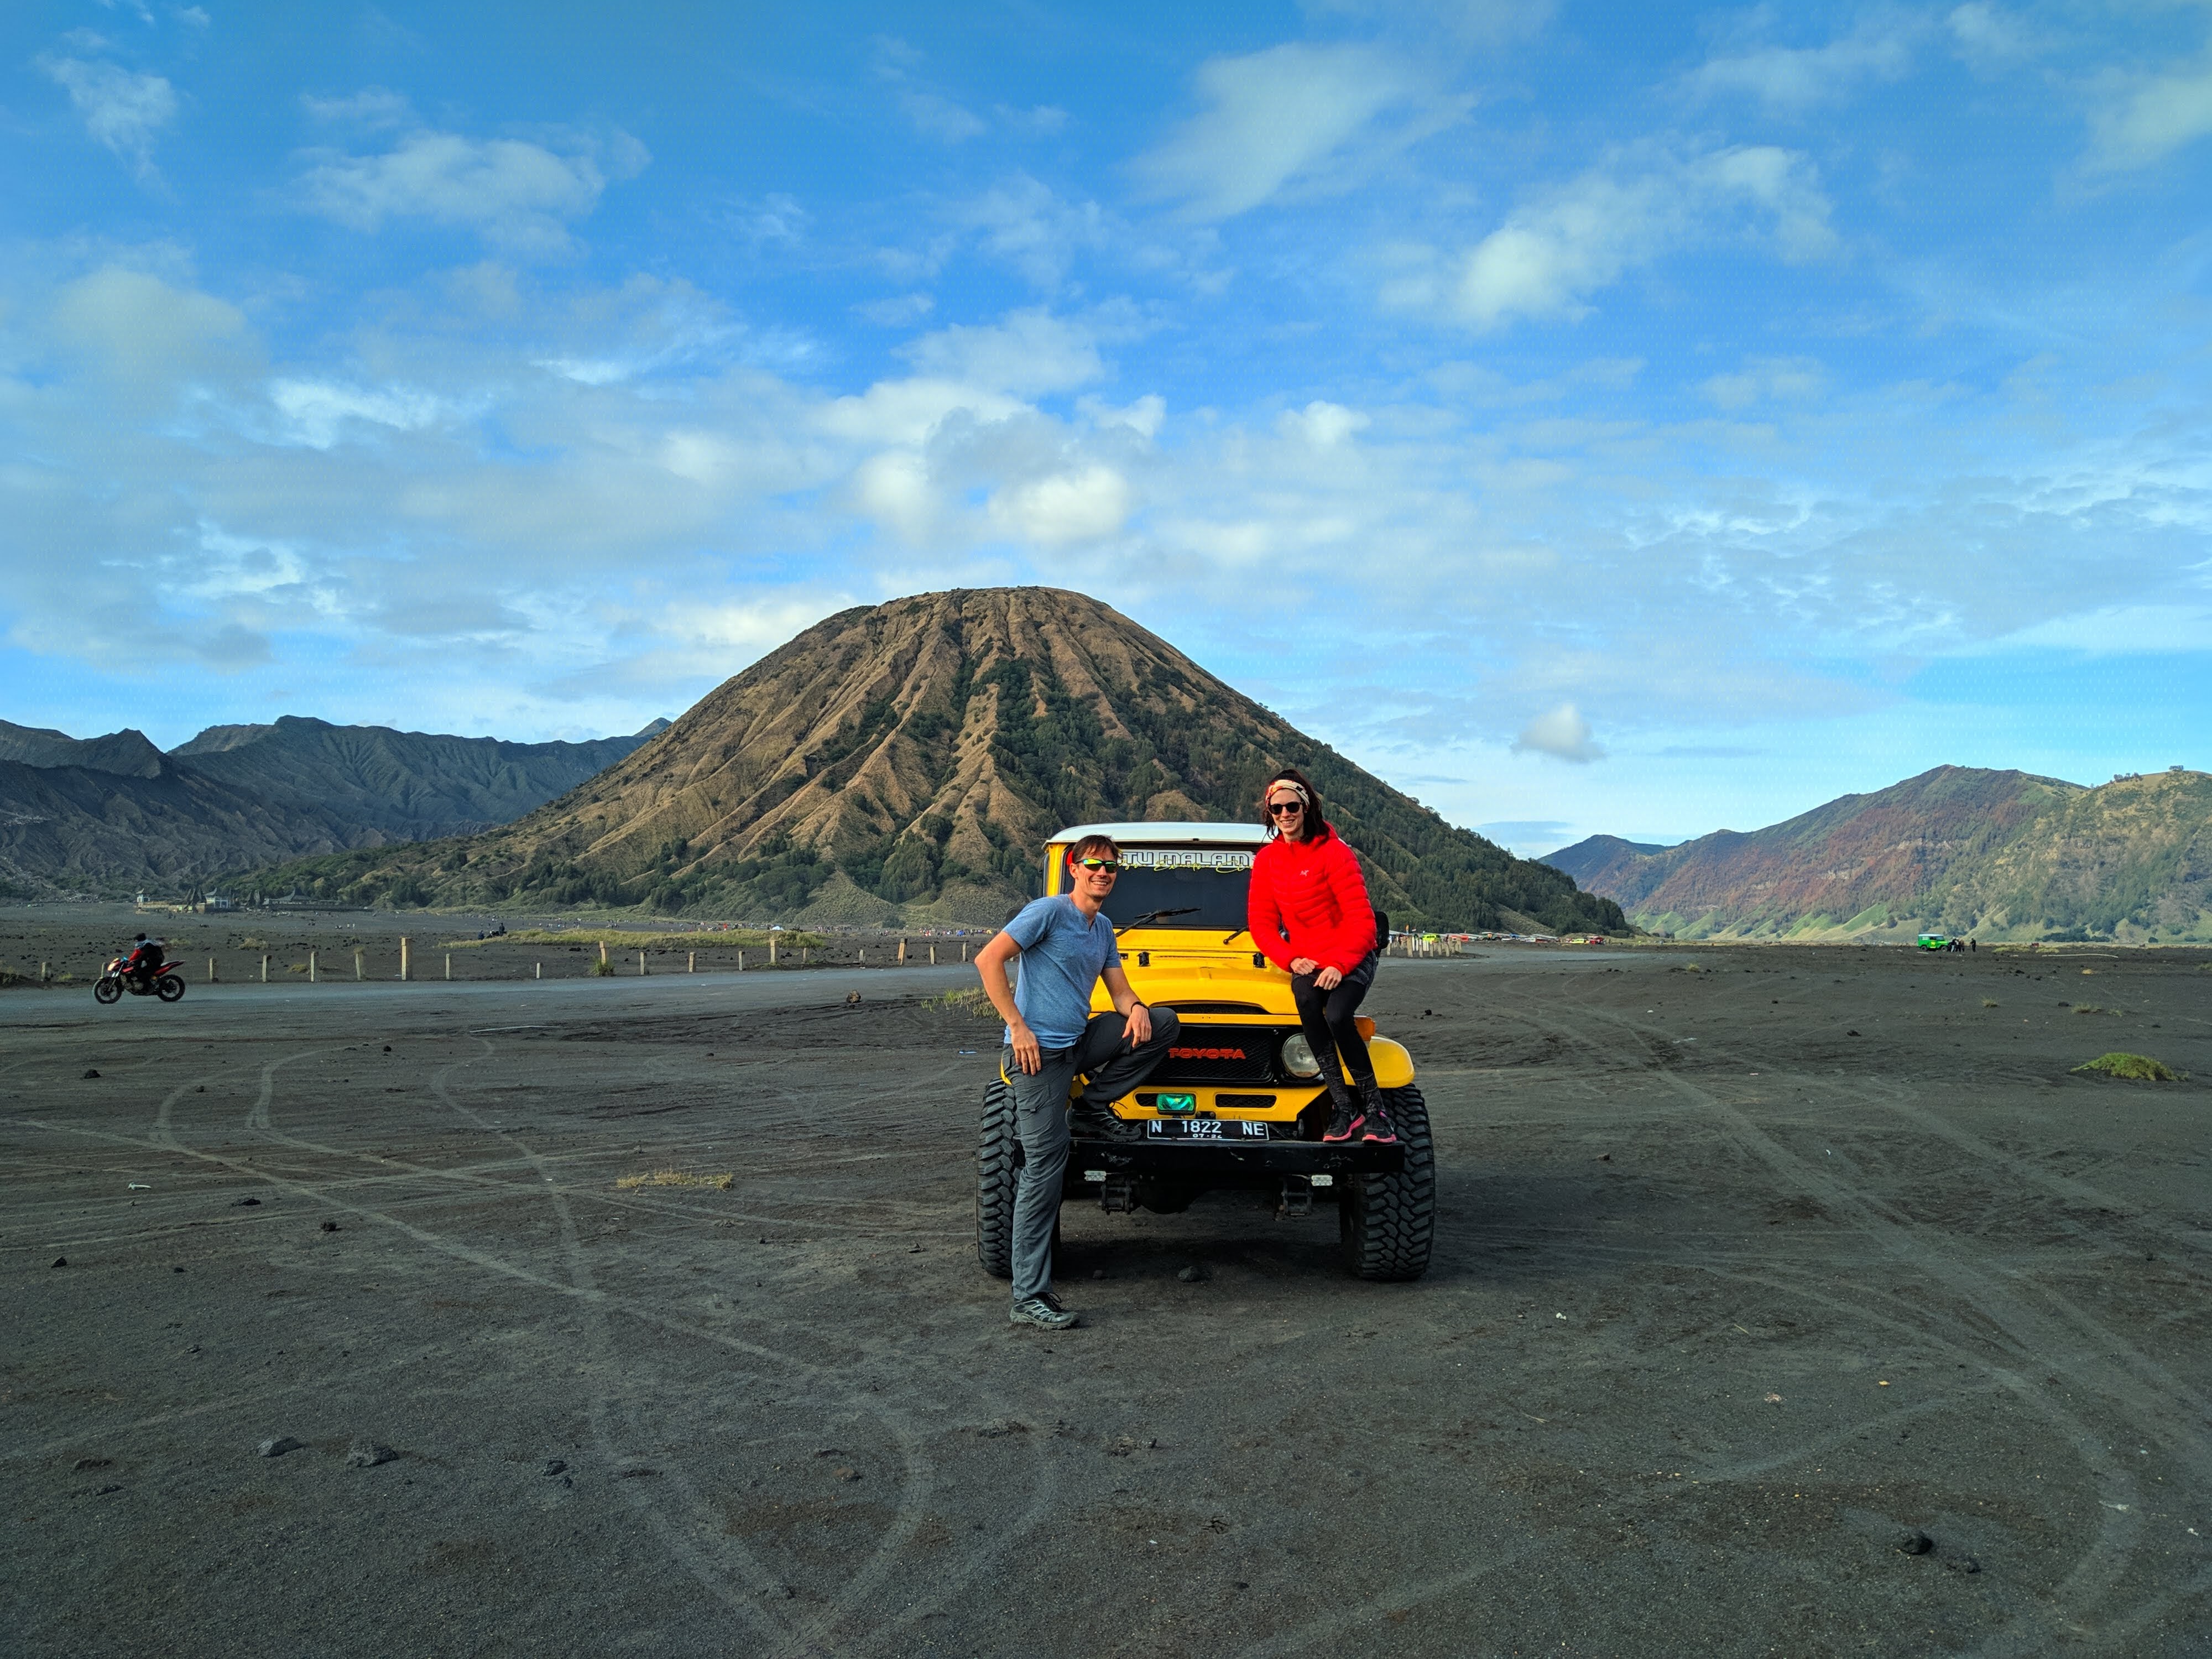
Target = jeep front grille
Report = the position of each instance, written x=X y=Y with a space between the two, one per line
x=1220 y=1054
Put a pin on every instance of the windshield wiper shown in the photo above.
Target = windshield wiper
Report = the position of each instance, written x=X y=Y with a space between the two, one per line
x=1225 y=938
x=1154 y=915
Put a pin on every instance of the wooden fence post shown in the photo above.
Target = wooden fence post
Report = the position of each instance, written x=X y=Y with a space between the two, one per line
x=311 y=968
x=210 y=970
x=741 y=962
x=358 y=973
x=405 y=965
x=771 y=950
x=449 y=964
x=264 y=970
x=963 y=949
x=933 y=956
x=603 y=953
x=690 y=962
x=541 y=970
x=641 y=964
x=901 y=959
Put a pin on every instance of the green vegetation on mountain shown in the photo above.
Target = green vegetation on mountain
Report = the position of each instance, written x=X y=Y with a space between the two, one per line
x=908 y=762
x=110 y=816
x=2003 y=856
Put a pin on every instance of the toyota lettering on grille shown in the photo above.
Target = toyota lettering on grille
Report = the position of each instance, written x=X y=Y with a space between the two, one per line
x=1206 y=1054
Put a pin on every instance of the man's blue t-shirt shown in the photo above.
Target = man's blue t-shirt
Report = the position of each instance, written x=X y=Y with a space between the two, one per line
x=1062 y=957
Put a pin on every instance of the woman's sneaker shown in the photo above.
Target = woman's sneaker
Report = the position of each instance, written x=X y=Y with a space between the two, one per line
x=1042 y=1312
x=1376 y=1125
x=1344 y=1124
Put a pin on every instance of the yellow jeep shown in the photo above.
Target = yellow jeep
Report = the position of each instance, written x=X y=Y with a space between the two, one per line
x=1239 y=1101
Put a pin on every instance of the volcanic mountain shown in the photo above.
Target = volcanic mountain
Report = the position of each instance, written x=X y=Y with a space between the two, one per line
x=907 y=762
x=2001 y=855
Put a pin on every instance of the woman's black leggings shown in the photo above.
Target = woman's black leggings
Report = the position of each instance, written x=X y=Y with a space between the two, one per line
x=1327 y=1019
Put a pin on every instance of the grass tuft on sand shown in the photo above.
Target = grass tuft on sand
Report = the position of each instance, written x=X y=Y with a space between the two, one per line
x=720 y=1183
x=971 y=1002
x=2132 y=1068
x=1989 y=1002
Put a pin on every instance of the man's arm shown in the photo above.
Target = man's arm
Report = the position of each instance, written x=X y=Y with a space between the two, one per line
x=1139 y=1028
x=991 y=962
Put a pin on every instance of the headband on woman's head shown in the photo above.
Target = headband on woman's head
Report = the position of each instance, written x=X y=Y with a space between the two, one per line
x=1305 y=796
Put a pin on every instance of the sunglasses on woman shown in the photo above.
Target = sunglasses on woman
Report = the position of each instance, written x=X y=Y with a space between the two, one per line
x=1285 y=809
x=1111 y=866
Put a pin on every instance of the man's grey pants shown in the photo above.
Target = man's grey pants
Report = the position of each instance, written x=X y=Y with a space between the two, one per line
x=1104 y=1057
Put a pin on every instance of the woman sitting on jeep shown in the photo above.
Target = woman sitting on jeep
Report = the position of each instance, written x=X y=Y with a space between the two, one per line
x=1308 y=912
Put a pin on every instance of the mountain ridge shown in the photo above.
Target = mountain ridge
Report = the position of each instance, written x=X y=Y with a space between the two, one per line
x=907 y=762
x=112 y=814
x=2002 y=854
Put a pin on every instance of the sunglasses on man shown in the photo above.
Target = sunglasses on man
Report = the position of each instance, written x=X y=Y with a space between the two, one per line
x=1111 y=867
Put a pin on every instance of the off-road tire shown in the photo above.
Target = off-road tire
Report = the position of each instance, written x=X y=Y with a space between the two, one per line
x=1387 y=1222
x=998 y=1171
x=169 y=988
x=107 y=988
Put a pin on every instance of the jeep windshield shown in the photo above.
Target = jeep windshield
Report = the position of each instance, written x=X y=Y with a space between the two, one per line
x=1201 y=889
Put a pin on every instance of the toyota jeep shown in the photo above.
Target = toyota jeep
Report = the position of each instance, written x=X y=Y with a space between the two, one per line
x=1238 y=1102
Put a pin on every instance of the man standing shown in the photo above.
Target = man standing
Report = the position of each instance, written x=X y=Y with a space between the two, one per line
x=1066 y=946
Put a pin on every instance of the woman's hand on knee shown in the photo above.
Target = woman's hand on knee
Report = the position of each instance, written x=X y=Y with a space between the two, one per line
x=1302 y=964
x=1329 y=978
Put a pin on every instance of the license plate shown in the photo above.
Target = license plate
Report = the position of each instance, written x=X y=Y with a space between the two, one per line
x=1176 y=1103
x=1206 y=1129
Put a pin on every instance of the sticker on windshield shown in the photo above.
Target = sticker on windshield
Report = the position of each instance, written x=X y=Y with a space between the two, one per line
x=1179 y=858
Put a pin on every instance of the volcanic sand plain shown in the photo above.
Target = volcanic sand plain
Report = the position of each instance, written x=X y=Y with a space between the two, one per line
x=1785 y=1301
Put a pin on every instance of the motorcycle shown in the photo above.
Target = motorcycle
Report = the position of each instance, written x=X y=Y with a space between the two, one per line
x=115 y=979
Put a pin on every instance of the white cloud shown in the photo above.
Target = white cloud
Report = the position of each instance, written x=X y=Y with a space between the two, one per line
x=896 y=311
x=147 y=333
x=1798 y=78
x=1561 y=733
x=372 y=108
x=1990 y=37
x=2141 y=119
x=1085 y=505
x=1028 y=353
x=1291 y=115
x=1322 y=424
x=318 y=410
x=1634 y=207
x=122 y=110
x=517 y=195
x=1023 y=223
x=1782 y=379
x=1143 y=417
x=940 y=119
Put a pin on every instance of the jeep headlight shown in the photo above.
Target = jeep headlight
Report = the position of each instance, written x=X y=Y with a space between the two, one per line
x=1298 y=1056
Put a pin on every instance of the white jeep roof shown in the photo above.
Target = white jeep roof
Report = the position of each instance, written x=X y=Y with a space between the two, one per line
x=1168 y=834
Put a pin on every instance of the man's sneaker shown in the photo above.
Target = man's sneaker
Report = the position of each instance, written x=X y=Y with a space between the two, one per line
x=1042 y=1312
x=1376 y=1124
x=1345 y=1124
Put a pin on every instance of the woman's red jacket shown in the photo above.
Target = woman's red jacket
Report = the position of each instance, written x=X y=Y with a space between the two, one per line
x=1312 y=890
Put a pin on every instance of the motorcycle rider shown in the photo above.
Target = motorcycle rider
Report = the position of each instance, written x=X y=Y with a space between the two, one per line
x=144 y=961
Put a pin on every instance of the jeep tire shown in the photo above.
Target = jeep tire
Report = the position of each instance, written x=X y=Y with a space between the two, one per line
x=997 y=1174
x=1387 y=1222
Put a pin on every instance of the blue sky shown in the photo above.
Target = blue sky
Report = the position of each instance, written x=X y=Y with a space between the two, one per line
x=1624 y=418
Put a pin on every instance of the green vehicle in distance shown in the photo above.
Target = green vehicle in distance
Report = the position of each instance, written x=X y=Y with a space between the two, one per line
x=1940 y=942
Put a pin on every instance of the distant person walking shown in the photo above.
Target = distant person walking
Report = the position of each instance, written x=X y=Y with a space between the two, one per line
x=1309 y=911
x=1066 y=947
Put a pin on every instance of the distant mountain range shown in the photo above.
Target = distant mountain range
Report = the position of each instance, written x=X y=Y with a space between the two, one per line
x=1997 y=855
x=908 y=762
x=110 y=815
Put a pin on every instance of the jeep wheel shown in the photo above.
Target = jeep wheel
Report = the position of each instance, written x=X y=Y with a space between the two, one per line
x=1387 y=1221
x=996 y=1176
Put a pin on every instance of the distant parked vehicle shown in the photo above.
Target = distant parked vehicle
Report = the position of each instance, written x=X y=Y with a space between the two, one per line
x=1940 y=942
